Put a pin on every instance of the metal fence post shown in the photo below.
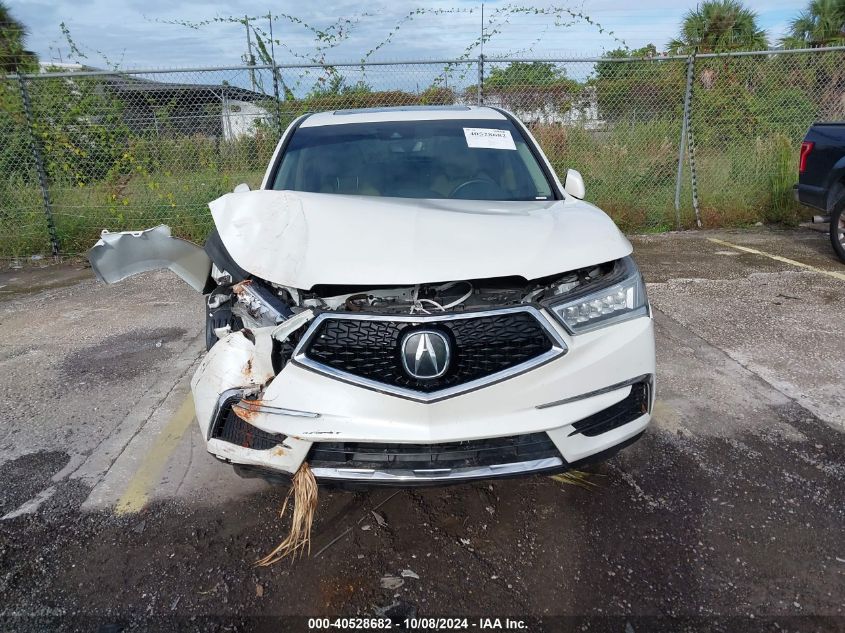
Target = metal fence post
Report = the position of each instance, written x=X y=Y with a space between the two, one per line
x=278 y=99
x=682 y=141
x=693 y=172
x=276 y=72
x=39 y=167
x=479 y=97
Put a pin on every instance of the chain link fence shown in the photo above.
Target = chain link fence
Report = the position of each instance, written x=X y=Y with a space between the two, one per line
x=662 y=143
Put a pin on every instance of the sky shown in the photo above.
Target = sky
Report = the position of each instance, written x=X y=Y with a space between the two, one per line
x=133 y=33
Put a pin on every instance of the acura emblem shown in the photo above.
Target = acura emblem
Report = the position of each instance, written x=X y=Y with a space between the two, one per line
x=425 y=354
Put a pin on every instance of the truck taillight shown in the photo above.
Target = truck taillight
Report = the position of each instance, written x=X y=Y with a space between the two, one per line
x=806 y=148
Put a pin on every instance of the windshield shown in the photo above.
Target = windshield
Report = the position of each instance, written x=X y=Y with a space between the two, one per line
x=460 y=159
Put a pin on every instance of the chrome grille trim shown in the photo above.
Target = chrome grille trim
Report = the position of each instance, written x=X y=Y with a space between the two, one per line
x=558 y=348
x=453 y=474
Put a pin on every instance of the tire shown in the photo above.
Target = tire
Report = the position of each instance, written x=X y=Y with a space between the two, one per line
x=221 y=317
x=210 y=336
x=837 y=229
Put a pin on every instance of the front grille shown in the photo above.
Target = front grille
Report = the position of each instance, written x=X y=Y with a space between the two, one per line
x=230 y=428
x=468 y=454
x=481 y=346
x=633 y=406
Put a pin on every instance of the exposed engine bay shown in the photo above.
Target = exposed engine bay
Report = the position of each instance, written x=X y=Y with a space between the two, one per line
x=256 y=303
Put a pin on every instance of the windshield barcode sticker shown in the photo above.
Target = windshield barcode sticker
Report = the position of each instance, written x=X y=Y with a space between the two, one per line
x=488 y=138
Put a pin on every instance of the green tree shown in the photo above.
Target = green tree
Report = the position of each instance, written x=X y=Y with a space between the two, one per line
x=336 y=86
x=13 y=55
x=526 y=74
x=529 y=87
x=821 y=24
x=15 y=146
x=80 y=126
x=641 y=89
x=718 y=26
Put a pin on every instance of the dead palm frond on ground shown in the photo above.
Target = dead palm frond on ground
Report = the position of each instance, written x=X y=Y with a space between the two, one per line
x=576 y=478
x=303 y=498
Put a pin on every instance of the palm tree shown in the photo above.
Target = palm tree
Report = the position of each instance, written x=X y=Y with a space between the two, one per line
x=13 y=56
x=821 y=24
x=717 y=26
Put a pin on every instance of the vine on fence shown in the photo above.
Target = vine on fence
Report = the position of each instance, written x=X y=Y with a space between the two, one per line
x=76 y=51
x=329 y=38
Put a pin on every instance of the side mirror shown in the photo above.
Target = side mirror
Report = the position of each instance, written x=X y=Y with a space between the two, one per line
x=245 y=187
x=574 y=184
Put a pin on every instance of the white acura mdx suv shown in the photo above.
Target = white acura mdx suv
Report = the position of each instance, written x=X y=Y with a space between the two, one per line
x=412 y=297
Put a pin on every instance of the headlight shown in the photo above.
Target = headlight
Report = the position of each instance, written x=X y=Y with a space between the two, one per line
x=258 y=306
x=618 y=296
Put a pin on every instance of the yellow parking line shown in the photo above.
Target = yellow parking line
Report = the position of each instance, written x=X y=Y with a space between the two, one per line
x=785 y=260
x=137 y=492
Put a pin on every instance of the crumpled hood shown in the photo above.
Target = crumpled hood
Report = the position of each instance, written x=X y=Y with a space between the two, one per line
x=301 y=239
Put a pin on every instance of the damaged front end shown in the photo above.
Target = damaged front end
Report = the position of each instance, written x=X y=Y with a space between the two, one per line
x=315 y=375
x=362 y=380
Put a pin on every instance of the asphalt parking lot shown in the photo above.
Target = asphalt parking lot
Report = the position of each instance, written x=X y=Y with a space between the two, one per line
x=727 y=515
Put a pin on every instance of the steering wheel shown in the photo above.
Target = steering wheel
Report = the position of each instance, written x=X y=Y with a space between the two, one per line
x=470 y=182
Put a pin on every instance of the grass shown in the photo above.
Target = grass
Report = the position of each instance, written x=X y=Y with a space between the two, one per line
x=178 y=200
x=630 y=172
x=23 y=226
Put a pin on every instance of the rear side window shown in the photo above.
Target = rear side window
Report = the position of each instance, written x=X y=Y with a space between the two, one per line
x=457 y=159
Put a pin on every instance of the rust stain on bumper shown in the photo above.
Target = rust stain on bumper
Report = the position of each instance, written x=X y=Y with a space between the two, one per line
x=247 y=410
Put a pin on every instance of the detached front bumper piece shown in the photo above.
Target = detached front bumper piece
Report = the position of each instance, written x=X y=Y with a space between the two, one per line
x=578 y=406
x=119 y=255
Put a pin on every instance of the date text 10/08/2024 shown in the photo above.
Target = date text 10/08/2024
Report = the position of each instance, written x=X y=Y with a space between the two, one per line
x=429 y=624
